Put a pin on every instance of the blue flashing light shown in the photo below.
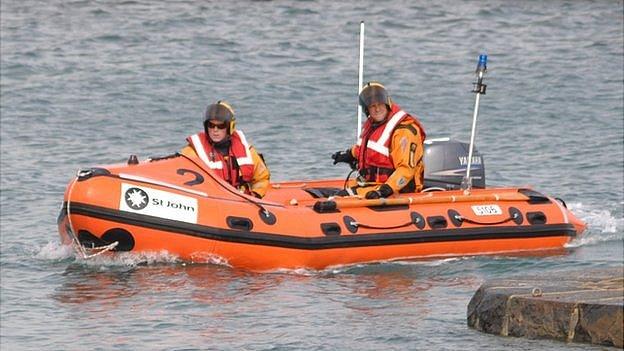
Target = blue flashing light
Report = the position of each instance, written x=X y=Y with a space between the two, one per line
x=482 y=62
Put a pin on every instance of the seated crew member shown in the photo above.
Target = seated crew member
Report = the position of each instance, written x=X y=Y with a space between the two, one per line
x=225 y=150
x=389 y=153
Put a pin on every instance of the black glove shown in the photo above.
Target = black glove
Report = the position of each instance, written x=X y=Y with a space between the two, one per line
x=342 y=193
x=343 y=156
x=384 y=191
x=373 y=194
x=346 y=157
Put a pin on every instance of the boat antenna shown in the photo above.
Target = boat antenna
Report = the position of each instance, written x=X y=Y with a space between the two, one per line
x=360 y=78
x=479 y=88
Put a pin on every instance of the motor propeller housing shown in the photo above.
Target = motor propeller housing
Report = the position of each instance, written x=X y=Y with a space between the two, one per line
x=446 y=161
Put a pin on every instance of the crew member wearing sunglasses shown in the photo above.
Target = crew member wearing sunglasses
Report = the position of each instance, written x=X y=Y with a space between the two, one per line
x=225 y=150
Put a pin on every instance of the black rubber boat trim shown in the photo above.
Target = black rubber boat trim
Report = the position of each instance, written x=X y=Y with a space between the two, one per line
x=321 y=242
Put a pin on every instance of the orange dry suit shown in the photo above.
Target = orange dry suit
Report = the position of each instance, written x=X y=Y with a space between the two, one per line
x=391 y=153
x=242 y=166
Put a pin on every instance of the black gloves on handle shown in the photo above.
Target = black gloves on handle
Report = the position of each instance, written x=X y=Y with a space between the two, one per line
x=346 y=157
x=384 y=191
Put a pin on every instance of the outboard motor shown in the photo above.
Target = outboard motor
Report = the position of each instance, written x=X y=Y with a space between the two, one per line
x=445 y=164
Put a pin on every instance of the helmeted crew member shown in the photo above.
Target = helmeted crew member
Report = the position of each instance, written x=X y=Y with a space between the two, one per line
x=225 y=150
x=389 y=153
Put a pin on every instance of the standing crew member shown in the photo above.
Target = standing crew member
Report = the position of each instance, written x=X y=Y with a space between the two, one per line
x=225 y=150
x=389 y=153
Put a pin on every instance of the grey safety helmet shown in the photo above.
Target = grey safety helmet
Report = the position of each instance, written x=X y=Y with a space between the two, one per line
x=220 y=111
x=372 y=93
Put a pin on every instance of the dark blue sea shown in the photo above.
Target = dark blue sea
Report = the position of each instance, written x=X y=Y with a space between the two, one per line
x=91 y=82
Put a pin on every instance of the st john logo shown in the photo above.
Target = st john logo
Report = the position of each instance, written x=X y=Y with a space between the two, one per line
x=136 y=198
x=148 y=201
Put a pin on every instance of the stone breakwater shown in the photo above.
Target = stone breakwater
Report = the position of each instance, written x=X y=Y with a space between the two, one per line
x=572 y=306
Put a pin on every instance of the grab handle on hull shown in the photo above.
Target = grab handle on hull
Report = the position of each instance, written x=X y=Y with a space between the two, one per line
x=351 y=202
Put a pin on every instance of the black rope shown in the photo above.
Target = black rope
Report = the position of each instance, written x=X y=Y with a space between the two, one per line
x=347 y=179
x=159 y=158
x=262 y=208
x=379 y=227
x=468 y=220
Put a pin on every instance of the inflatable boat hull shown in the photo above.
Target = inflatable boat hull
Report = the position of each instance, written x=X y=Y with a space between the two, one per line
x=174 y=205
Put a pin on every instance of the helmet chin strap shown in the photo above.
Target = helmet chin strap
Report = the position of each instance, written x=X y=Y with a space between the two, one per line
x=224 y=141
x=375 y=123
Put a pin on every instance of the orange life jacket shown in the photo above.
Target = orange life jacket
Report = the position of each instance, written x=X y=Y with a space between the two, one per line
x=374 y=160
x=236 y=173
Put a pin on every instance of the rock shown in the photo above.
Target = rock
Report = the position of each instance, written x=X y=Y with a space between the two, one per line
x=577 y=306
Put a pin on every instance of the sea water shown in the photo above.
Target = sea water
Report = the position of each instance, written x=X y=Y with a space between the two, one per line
x=91 y=82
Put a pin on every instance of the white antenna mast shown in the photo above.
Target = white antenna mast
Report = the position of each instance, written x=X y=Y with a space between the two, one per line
x=360 y=78
x=466 y=184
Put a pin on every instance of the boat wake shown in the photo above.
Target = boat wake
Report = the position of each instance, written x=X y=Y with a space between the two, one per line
x=57 y=252
x=54 y=251
x=602 y=225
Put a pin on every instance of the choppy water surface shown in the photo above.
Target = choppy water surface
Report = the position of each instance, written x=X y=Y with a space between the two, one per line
x=91 y=82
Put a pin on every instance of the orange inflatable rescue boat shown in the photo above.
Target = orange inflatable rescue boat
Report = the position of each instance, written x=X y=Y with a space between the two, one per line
x=176 y=205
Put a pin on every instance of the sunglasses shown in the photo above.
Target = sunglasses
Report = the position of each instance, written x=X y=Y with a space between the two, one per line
x=218 y=126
